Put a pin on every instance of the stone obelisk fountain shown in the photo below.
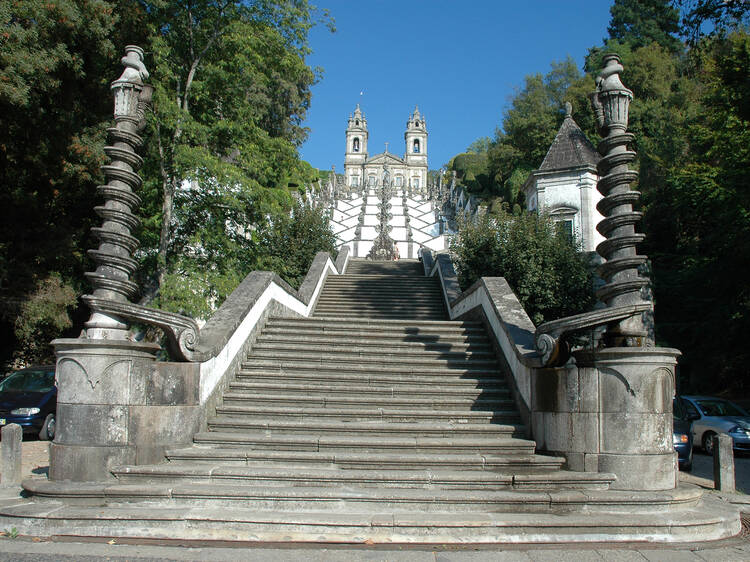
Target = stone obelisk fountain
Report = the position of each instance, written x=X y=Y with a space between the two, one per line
x=626 y=385
x=111 y=391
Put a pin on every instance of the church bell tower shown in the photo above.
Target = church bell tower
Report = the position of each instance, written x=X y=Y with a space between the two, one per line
x=415 y=138
x=356 y=148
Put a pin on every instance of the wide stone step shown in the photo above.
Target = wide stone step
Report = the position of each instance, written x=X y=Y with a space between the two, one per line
x=350 y=414
x=382 y=355
x=378 y=307
x=397 y=344
x=363 y=460
x=448 y=381
x=413 y=286
x=378 y=324
x=364 y=390
x=376 y=277
x=301 y=367
x=342 y=293
x=665 y=517
x=292 y=399
x=389 y=362
x=384 y=315
x=297 y=499
x=370 y=444
x=373 y=428
x=328 y=477
x=365 y=335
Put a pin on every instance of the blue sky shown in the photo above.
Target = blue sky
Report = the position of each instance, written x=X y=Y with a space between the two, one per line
x=459 y=61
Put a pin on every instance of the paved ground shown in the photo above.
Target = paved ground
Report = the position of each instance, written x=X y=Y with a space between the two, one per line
x=35 y=464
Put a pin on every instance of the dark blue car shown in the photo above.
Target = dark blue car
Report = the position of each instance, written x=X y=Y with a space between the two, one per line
x=682 y=435
x=29 y=398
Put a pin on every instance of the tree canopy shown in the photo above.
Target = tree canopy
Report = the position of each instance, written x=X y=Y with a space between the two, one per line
x=690 y=116
x=221 y=163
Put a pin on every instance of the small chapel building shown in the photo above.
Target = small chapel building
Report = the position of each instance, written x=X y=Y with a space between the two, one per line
x=565 y=184
x=361 y=169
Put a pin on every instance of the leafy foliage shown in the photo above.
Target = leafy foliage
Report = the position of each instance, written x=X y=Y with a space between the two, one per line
x=221 y=162
x=529 y=127
x=43 y=316
x=548 y=274
x=690 y=118
x=643 y=22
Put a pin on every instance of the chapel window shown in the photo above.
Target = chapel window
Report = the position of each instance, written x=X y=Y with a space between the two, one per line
x=356 y=145
x=415 y=183
x=416 y=146
x=399 y=181
x=355 y=181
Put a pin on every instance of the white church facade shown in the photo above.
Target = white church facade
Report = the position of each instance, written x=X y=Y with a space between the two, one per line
x=409 y=171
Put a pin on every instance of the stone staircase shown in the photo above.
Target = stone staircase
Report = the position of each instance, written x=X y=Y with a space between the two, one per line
x=375 y=419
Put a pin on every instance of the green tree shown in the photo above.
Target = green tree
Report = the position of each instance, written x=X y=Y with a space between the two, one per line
x=55 y=68
x=548 y=274
x=530 y=125
x=709 y=17
x=480 y=146
x=642 y=22
x=232 y=89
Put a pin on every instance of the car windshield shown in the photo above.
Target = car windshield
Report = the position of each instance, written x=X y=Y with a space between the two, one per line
x=29 y=381
x=720 y=408
x=678 y=409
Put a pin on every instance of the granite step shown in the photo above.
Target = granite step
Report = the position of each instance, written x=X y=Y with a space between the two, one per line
x=379 y=324
x=391 y=414
x=395 y=364
x=372 y=428
x=449 y=381
x=364 y=390
x=375 y=342
x=518 y=464
x=312 y=499
x=294 y=368
x=383 y=356
x=328 y=477
x=369 y=444
x=663 y=517
x=304 y=400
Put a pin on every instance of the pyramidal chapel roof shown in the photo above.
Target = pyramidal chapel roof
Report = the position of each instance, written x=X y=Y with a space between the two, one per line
x=570 y=149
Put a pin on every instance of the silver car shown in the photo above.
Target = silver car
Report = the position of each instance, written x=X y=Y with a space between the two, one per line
x=715 y=415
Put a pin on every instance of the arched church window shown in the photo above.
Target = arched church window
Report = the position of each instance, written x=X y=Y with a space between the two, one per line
x=416 y=123
x=355 y=145
x=356 y=122
x=416 y=146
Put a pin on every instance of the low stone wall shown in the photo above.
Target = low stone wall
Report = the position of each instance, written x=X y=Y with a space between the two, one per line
x=608 y=410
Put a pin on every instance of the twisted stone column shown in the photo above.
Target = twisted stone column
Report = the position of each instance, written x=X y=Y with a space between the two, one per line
x=624 y=284
x=111 y=280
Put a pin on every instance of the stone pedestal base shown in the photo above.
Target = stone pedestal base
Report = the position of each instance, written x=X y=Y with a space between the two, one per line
x=117 y=405
x=610 y=412
x=635 y=390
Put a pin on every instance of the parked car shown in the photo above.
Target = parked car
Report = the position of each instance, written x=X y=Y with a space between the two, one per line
x=715 y=415
x=682 y=435
x=29 y=398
